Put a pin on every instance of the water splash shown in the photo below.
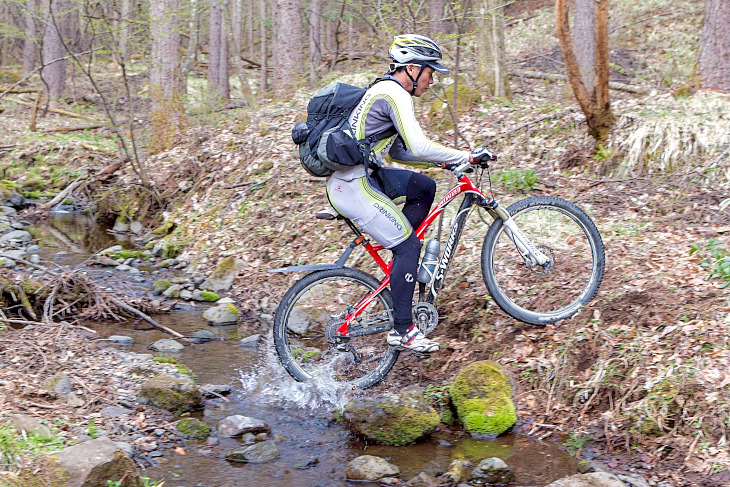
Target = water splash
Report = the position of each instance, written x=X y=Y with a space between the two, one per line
x=268 y=383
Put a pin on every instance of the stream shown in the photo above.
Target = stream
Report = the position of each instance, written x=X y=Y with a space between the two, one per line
x=314 y=450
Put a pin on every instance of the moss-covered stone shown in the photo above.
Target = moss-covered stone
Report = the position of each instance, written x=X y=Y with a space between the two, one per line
x=9 y=77
x=176 y=394
x=392 y=419
x=482 y=395
x=193 y=428
x=161 y=285
x=209 y=296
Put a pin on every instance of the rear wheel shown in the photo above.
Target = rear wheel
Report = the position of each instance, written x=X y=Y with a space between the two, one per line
x=544 y=294
x=309 y=315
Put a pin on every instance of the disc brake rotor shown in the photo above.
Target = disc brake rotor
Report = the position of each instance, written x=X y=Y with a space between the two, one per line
x=544 y=270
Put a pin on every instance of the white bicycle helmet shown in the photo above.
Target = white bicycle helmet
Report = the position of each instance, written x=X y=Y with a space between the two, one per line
x=415 y=49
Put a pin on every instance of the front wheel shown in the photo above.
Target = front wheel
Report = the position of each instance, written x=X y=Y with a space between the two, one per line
x=309 y=315
x=544 y=294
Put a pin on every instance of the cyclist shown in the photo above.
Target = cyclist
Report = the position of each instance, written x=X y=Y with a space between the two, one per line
x=369 y=196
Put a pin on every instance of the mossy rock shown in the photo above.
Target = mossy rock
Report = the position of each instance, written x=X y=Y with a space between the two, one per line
x=161 y=285
x=175 y=394
x=193 y=428
x=392 y=419
x=209 y=296
x=466 y=99
x=482 y=395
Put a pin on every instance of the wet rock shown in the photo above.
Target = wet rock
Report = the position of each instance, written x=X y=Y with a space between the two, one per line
x=74 y=401
x=112 y=249
x=212 y=441
x=121 y=225
x=203 y=336
x=173 y=291
x=238 y=425
x=33 y=249
x=423 y=480
x=16 y=199
x=221 y=279
x=594 y=479
x=312 y=462
x=167 y=345
x=392 y=419
x=28 y=424
x=94 y=462
x=127 y=448
x=389 y=481
x=17 y=236
x=114 y=411
x=176 y=394
x=248 y=439
x=193 y=428
x=222 y=314
x=259 y=453
x=59 y=384
x=8 y=210
x=492 y=471
x=124 y=268
x=214 y=390
x=121 y=339
x=633 y=480
x=482 y=395
x=370 y=468
x=251 y=341
x=186 y=295
x=35 y=259
x=13 y=254
x=166 y=263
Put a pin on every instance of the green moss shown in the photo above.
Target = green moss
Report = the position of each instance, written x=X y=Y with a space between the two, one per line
x=161 y=285
x=209 y=296
x=8 y=183
x=482 y=394
x=232 y=309
x=224 y=267
x=170 y=251
x=193 y=428
x=129 y=254
x=175 y=394
x=165 y=360
x=165 y=228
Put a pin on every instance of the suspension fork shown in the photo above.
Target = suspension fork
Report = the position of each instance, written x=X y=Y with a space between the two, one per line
x=530 y=254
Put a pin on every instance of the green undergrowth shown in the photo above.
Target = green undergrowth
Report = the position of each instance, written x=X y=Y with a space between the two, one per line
x=715 y=258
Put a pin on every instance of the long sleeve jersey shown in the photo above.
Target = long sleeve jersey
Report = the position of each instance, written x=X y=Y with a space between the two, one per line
x=387 y=104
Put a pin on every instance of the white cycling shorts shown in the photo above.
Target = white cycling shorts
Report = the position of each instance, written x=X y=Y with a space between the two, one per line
x=376 y=214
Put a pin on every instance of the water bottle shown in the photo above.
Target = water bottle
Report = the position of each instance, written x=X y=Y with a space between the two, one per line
x=429 y=262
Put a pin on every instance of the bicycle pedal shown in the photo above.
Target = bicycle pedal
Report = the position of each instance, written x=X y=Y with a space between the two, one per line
x=421 y=355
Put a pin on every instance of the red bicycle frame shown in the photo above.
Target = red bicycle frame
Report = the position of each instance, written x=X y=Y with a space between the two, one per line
x=471 y=194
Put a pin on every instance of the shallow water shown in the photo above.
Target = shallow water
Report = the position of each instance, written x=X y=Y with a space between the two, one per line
x=314 y=450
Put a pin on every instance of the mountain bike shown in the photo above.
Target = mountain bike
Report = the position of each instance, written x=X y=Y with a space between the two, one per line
x=542 y=260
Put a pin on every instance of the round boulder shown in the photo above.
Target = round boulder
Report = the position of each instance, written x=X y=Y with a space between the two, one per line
x=492 y=471
x=257 y=453
x=370 y=468
x=223 y=314
x=482 y=395
x=176 y=394
x=392 y=419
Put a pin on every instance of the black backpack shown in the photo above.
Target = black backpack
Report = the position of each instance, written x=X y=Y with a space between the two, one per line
x=326 y=141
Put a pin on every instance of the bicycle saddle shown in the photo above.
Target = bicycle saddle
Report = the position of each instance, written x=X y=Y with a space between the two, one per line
x=328 y=214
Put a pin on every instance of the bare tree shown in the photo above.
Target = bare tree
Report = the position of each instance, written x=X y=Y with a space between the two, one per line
x=315 y=46
x=584 y=39
x=167 y=113
x=218 y=71
x=437 y=17
x=30 y=41
x=125 y=29
x=595 y=104
x=54 y=35
x=492 y=66
x=193 y=36
x=238 y=64
x=287 y=55
x=264 y=49
x=714 y=58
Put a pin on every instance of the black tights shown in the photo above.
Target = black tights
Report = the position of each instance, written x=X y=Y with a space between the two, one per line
x=419 y=193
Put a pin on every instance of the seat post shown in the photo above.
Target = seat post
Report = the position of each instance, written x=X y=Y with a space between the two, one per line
x=352 y=227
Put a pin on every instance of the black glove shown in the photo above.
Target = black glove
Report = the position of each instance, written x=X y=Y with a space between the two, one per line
x=482 y=157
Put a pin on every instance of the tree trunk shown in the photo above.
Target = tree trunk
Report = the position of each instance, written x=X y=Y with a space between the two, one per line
x=437 y=15
x=288 y=51
x=167 y=113
x=714 y=57
x=193 y=37
x=584 y=39
x=218 y=80
x=315 y=47
x=595 y=105
x=54 y=36
x=245 y=89
x=264 y=50
x=125 y=29
x=30 y=41
x=492 y=68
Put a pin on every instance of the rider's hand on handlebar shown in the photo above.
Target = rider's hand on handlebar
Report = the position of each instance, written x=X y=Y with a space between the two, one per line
x=482 y=157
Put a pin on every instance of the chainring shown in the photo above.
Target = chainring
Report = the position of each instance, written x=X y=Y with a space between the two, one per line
x=425 y=317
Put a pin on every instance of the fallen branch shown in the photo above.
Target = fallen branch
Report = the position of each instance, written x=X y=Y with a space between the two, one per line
x=559 y=77
x=74 y=129
x=60 y=197
x=145 y=317
x=11 y=89
x=54 y=110
x=20 y=322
